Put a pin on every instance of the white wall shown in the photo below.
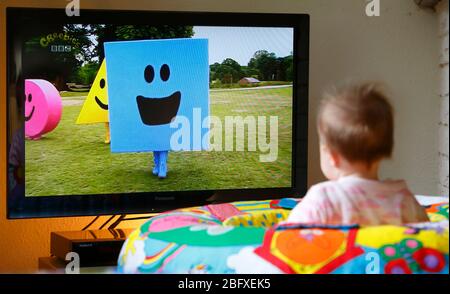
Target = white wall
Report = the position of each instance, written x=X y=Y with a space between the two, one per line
x=442 y=10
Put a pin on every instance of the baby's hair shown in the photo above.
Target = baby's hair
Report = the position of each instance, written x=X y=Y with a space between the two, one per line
x=357 y=122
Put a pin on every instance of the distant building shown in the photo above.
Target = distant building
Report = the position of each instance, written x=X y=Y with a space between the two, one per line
x=248 y=81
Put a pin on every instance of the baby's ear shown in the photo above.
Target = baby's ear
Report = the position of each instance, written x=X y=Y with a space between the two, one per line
x=335 y=158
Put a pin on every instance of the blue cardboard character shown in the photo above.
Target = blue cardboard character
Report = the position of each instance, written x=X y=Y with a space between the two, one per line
x=152 y=83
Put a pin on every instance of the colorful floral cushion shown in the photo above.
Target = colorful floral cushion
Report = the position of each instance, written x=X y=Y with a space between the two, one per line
x=243 y=237
x=438 y=212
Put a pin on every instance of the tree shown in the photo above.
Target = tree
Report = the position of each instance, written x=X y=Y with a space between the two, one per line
x=289 y=67
x=213 y=71
x=81 y=59
x=232 y=70
x=228 y=72
x=285 y=68
x=263 y=66
x=109 y=33
x=54 y=52
x=86 y=73
x=250 y=72
x=233 y=64
x=265 y=63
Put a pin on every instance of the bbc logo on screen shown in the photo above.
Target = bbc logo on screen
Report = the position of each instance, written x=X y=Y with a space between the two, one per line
x=60 y=48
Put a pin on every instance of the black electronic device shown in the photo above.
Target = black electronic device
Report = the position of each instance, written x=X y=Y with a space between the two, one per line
x=93 y=247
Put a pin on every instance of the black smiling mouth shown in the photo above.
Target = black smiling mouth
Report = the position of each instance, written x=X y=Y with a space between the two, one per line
x=27 y=118
x=158 y=111
x=101 y=104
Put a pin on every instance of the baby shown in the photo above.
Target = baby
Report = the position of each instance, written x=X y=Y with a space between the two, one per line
x=356 y=126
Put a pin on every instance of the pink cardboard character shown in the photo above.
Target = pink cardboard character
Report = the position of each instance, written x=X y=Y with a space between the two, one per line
x=43 y=108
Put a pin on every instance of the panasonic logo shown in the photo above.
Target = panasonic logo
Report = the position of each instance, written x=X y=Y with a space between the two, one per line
x=165 y=198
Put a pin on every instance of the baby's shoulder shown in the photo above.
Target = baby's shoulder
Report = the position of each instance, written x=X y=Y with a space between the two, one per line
x=326 y=187
x=324 y=190
x=336 y=190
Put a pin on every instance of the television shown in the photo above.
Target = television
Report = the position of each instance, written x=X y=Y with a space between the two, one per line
x=132 y=112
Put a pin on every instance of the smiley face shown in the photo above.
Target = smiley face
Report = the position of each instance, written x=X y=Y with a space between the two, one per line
x=151 y=83
x=43 y=108
x=95 y=107
x=158 y=111
x=29 y=99
x=102 y=105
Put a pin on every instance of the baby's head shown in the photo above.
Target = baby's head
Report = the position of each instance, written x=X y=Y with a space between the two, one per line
x=356 y=130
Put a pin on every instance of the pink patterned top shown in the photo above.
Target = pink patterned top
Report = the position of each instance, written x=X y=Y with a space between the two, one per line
x=354 y=200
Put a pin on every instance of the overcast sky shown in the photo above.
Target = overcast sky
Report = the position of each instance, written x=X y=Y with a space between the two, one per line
x=240 y=43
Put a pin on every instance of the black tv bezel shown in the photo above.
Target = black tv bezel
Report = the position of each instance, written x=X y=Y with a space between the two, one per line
x=150 y=202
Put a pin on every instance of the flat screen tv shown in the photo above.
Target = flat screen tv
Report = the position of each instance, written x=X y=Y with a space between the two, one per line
x=126 y=112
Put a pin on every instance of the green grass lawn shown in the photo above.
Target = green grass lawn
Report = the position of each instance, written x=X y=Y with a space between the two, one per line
x=260 y=84
x=74 y=160
x=73 y=94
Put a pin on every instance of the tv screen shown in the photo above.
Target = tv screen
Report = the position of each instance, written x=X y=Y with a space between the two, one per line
x=115 y=112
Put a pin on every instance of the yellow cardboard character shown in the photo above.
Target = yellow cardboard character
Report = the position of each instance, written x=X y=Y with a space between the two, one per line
x=95 y=107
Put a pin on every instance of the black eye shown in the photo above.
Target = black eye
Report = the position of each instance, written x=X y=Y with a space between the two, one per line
x=149 y=73
x=102 y=83
x=30 y=97
x=165 y=72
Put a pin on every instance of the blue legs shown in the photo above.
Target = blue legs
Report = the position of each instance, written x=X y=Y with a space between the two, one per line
x=160 y=160
x=163 y=164
x=156 y=162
